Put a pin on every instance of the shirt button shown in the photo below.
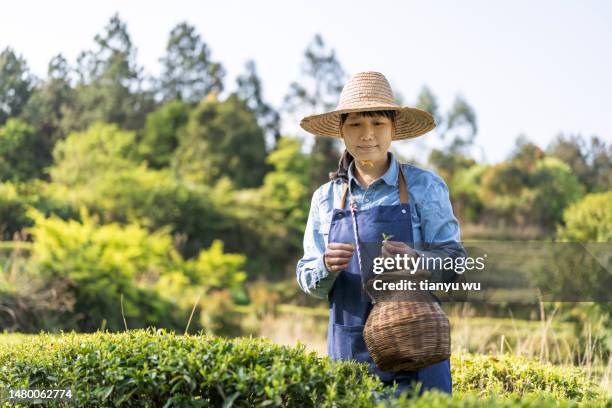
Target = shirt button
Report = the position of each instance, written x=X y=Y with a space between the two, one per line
x=403 y=211
x=367 y=200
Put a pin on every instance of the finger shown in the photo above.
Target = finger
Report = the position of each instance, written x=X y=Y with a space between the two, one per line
x=388 y=253
x=340 y=245
x=395 y=245
x=405 y=249
x=337 y=268
x=337 y=261
x=385 y=253
x=336 y=253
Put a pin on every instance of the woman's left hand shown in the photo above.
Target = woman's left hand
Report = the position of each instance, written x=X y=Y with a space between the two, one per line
x=392 y=248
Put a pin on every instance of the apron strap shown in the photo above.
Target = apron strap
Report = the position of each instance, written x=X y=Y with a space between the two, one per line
x=403 y=191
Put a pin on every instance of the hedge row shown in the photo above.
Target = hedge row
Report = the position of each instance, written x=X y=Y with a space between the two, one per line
x=148 y=368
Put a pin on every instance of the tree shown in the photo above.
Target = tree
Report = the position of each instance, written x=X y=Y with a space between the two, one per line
x=250 y=91
x=47 y=107
x=270 y=219
x=588 y=220
x=110 y=83
x=554 y=188
x=458 y=127
x=18 y=151
x=285 y=189
x=525 y=153
x=159 y=137
x=188 y=72
x=461 y=121
x=85 y=155
x=427 y=101
x=529 y=188
x=104 y=262
x=222 y=139
x=99 y=169
x=16 y=84
x=464 y=189
x=592 y=163
x=318 y=91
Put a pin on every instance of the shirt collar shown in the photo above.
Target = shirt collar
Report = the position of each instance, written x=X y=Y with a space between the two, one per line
x=390 y=176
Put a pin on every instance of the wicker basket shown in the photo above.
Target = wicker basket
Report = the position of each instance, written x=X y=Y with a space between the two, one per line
x=407 y=335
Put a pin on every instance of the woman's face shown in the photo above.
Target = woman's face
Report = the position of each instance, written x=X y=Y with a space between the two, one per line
x=367 y=138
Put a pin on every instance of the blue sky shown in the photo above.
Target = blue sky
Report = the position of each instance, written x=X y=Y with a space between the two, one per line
x=533 y=68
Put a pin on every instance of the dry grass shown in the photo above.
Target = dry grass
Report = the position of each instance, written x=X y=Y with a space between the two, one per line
x=508 y=233
x=547 y=340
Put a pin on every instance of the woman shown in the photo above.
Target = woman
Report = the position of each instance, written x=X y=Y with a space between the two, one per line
x=401 y=200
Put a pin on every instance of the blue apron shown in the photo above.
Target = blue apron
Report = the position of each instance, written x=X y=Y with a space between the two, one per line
x=349 y=310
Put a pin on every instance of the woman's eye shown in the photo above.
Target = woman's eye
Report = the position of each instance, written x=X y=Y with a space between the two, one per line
x=354 y=124
x=379 y=123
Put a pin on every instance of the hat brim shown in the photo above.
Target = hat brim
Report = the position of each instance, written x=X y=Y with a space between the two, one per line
x=409 y=122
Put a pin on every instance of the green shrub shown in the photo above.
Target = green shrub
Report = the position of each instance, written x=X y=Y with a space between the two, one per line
x=159 y=368
x=505 y=374
x=103 y=262
x=15 y=198
x=154 y=369
x=589 y=220
x=21 y=158
x=459 y=400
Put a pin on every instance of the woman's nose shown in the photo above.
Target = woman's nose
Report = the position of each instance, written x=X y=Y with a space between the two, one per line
x=368 y=132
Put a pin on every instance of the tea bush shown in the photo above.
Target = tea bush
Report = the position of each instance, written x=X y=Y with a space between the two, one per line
x=148 y=368
x=505 y=374
x=145 y=368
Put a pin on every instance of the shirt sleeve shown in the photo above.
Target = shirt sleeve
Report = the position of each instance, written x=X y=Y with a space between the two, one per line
x=312 y=274
x=440 y=230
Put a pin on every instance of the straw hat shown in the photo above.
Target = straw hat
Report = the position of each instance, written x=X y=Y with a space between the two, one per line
x=370 y=91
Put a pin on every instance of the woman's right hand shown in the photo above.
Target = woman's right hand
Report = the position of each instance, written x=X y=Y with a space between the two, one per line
x=338 y=256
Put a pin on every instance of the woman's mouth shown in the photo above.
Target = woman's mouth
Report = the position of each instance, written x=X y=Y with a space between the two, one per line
x=367 y=147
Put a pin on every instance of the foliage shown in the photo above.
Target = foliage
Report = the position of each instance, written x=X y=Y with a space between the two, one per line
x=15 y=200
x=85 y=155
x=18 y=152
x=16 y=84
x=506 y=374
x=188 y=72
x=588 y=220
x=529 y=189
x=285 y=189
x=464 y=187
x=31 y=303
x=427 y=101
x=555 y=187
x=318 y=91
x=102 y=262
x=458 y=400
x=153 y=368
x=590 y=162
x=48 y=106
x=98 y=169
x=109 y=88
x=461 y=120
x=222 y=138
x=250 y=90
x=271 y=218
x=160 y=135
x=449 y=162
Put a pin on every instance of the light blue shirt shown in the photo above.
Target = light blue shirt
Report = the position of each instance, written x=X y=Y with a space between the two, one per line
x=433 y=221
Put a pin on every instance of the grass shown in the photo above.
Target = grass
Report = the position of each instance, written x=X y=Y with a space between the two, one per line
x=548 y=340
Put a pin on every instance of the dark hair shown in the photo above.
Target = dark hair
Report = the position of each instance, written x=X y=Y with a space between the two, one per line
x=347 y=158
